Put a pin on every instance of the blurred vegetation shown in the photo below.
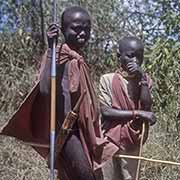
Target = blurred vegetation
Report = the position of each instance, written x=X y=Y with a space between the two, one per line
x=22 y=41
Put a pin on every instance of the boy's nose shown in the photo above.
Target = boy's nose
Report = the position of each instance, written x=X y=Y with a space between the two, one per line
x=82 y=33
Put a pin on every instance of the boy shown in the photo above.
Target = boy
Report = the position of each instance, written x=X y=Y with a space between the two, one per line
x=125 y=102
x=77 y=156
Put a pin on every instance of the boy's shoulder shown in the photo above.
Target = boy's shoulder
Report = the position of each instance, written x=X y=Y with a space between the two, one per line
x=107 y=75
x=106 y=78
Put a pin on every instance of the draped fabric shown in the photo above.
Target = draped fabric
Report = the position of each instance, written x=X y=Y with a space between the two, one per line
x=114 y=93
x=31 y=121
x=88 y=115
x=120 y=132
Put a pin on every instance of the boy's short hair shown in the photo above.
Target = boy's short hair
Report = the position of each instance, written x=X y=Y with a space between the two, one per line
x=131 y=38
x=72 y=10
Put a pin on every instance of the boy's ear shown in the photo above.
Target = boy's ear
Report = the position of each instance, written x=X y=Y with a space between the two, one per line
x=61 y=29
x=118 y=54
x=178 y=116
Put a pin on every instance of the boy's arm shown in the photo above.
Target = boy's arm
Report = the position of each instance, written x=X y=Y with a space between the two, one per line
x=105 y=97
x=109 y=113
x=52 y=33
x=145 y=94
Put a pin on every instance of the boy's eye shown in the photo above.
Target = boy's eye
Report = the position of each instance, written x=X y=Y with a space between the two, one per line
x=77 y=28
x=130 y=55
x=118 y=55
x=81 y=28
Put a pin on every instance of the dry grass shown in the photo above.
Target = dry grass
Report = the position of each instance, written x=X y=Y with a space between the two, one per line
x=20 y=162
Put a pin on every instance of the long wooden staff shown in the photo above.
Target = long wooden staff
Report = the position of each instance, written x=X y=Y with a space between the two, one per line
x=53 y=100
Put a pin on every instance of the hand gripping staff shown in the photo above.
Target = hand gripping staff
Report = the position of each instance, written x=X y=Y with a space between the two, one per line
x=53 y=99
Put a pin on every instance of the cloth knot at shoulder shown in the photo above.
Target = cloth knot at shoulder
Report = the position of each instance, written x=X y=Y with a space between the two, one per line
x=69 y=54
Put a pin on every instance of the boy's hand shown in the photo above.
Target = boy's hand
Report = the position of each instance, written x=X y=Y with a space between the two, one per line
x=133 y=68
x=147 y=116
x=52 y=33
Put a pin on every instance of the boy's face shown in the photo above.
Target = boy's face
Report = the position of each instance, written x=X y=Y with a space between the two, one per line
x=76 y=30
x=129 y=52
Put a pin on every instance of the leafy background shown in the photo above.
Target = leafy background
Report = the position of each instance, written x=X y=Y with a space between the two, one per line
x=23 y=40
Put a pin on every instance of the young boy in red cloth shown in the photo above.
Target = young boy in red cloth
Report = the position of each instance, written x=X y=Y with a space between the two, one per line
x=31 y=122
x=125 y=101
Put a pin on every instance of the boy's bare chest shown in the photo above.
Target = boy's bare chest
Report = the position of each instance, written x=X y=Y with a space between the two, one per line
x=133 y=90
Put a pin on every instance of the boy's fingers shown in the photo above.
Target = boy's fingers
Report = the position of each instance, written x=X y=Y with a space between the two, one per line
x=53 y=26
x=53 y=31
x=56 y=25
x=132 y=67
x=153 y=121
x=52 y=35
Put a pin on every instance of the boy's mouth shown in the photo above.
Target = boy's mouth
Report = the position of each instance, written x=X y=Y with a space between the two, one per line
x=81 y=40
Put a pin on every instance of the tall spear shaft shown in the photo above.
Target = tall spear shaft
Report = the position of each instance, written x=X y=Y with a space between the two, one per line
x=53 y=100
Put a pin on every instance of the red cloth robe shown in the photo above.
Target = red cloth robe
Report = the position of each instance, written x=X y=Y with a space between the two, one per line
x=120 y=132
x=30 y=122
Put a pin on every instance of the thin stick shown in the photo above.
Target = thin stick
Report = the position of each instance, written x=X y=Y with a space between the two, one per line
x=53 y=100
x=117 y=156
x=140 y=151
x=148 y=159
